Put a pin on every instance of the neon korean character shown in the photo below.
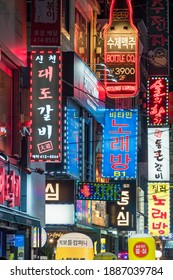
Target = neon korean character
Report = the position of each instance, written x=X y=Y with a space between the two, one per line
x=45 y=93
x=46 y=72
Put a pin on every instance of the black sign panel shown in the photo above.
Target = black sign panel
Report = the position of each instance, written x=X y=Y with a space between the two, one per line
x=45 y=106
x=59 y=191
x=122 y=213
x=157 y=15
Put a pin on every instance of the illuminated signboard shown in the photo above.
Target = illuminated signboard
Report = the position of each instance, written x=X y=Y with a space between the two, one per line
x=158 y=154
x=99 y=214
x=122 y=213
x=45 y=98
x=73 y=139
x=159 y=209
x=59 y=214
x=9 y=188
x=83 y=211
x=45 y=23
x=158 y=37
x=121 y=52
x=120 y=144
x=157 y=101
x=98 y=191
x=74 y=246
x=59 y=191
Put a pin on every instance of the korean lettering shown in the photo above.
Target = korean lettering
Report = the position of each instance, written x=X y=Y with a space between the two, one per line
x=157 y=99
x=119 y=143
x=159 y=214
x=158 y=154
x=123 y=217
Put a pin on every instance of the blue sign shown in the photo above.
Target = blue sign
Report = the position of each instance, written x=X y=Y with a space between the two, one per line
x=19 y=240
x=73 y=139
x=120 y=144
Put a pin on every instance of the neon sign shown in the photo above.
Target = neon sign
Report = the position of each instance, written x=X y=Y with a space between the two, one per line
x=45 y=104
x=158 y=154
x=120 y=144
x=122 y=213
x=9 y=188
x=121 y=52
x=158 y=208
x=157 y=101
x=98 y=191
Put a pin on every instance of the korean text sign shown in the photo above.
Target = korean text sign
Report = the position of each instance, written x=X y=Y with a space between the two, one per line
x=157 y=101
x=159 y=209
x=45 y=23
x=122 y=213
x=45 y=141
x=158 y=154
x=121 y=52
x=120 y=144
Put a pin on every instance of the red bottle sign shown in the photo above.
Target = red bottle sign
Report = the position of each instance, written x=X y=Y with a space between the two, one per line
x=121 y=52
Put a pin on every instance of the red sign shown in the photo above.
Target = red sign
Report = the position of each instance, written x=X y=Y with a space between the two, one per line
x=45 y=23
x=121 y=53
x=141 y=249
x=2 y=184
x=157 y=104
x=9 y=188
x=171 y=107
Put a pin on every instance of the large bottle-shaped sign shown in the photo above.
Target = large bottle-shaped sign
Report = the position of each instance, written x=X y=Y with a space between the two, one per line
x=121 y=51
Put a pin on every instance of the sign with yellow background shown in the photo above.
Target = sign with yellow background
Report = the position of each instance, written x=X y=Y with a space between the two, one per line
x=159 y=209
x=74 y=246
x=141 y=247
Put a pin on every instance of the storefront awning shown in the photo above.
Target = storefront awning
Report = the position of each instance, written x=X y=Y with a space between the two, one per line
x=18 y=217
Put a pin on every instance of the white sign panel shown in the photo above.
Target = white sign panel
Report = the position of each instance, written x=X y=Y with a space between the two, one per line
x=158 y=154
x=59 y=214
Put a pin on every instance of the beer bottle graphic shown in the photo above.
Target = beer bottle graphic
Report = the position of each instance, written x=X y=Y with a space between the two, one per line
x=121 y=51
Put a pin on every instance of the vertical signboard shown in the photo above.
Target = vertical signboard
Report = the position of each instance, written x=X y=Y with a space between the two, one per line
x=158 y=37
x=73 y=139
x=158 y=154
x=121 y=51
x=159 y=209
x=45 y=22
x=45 y=105
x=122 y=213
x=10 y=185
x=157 y=101
x=120 y=144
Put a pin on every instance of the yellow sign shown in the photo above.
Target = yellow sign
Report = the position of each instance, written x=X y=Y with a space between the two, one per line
x=158 y=209
x=103 y=246
x=74 y=246
x=141 y=247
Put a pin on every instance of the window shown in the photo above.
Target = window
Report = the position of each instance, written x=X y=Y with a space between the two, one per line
x=65 y=15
